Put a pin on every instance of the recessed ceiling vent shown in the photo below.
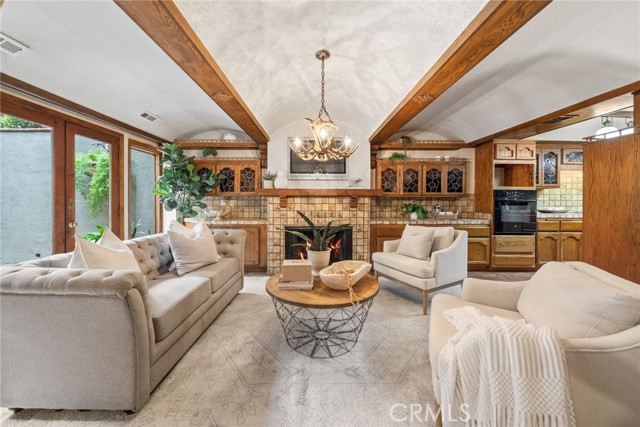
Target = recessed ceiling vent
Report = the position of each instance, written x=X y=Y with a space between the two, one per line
x=560 y=119
x=10 y=46
x=150 y=117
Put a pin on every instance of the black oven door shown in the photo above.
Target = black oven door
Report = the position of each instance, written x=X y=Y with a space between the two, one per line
x=515 y=217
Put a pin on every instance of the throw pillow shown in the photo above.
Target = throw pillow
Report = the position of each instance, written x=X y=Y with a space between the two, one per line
x=576 y=304
x=110 y=253
x=199 y=229
x=443 y=238
x=416 y=242
x=194 y=251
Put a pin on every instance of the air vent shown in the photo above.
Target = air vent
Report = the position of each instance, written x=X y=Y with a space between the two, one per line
x=560 y=119
x=150 y=117
x=10 y=46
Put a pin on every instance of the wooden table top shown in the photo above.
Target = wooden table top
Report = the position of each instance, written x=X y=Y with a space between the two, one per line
x=322 y=296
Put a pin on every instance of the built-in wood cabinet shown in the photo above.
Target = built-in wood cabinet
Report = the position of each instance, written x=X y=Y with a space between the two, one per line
x=513 y=252
x=422 y=178
x=514 y=150
x=255 y=245
x=479 y=242
x=558 y=240
x=547 y=167
x=240 y=176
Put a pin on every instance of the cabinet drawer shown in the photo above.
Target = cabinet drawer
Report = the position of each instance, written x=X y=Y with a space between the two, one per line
x=548 y=225
x=478 y=251
x=475 y=231
x=514 y=244
x=571 y=226
x=526 y=261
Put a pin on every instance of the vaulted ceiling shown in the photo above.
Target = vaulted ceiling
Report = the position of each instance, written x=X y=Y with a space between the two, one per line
x=93 y=54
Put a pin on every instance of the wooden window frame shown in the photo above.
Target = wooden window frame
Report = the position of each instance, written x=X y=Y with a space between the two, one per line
x=157 y=211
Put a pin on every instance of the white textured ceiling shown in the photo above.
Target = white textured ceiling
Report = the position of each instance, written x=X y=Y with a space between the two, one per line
x=379 y=51
x=569 y=52
x=91 y=53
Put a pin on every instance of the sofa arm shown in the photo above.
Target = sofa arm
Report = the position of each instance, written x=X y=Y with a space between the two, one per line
x=73 y=339
x=493 y=293
x=450 y=264
x=390 y=245
x=604 y=377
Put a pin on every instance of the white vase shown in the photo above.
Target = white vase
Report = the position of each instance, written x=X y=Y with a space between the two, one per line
x=267 y=183
x=319 y=260
x=281 y=180
x=413 y=215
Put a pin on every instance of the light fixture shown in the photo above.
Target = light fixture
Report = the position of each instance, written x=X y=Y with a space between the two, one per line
x=628 y=130
x=605 y=132
x=324 y=145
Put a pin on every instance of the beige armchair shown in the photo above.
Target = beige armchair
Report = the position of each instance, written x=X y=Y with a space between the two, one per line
x=446 y=267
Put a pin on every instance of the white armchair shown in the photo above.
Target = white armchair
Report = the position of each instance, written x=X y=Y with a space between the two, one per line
x=446 y=267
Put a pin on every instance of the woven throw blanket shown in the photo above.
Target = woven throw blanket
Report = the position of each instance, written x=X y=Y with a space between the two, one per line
x=503 y=373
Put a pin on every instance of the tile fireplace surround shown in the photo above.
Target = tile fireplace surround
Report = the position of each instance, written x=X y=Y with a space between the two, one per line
x=369 y=210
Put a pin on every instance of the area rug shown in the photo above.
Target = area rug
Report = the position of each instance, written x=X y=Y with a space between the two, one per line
x=241 y=372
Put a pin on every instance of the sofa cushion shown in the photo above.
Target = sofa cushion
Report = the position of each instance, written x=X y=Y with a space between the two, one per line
x=577 y=304
x=173 y=299
x=110 y=253
x=413 y=266
x=440 y=330
x=416 y=243
x=218 y=273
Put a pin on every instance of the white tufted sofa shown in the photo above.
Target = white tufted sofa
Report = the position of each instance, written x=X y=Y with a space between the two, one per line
x=102 y=339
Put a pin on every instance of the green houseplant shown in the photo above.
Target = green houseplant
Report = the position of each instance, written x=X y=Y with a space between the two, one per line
x=209 y=152
x=181 y=186
x=317 y=246
x=268 y=177
x=397 y=157
x=417 y=211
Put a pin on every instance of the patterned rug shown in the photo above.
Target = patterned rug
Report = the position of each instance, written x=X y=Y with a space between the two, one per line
x=241 y=372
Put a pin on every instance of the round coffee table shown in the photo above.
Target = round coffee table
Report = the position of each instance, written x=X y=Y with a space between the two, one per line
x=322 y=322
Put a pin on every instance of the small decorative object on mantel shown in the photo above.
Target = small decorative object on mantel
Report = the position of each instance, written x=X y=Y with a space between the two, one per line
x=415 y=210
x=281 y=180
x=269 y=177
x=318 y=251
x=209 y=152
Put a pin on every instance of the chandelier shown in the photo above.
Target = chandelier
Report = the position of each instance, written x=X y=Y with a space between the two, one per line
x=324 y=145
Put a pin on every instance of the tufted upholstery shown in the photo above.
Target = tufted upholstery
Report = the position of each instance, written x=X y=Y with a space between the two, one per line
x=153 y=254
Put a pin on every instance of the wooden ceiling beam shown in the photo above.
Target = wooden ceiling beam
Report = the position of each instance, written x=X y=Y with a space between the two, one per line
x=163 y=22
x=602 y=104
x=495 y=23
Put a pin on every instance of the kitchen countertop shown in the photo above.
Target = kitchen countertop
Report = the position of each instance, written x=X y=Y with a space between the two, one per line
x=459 y=221
x=567 y=215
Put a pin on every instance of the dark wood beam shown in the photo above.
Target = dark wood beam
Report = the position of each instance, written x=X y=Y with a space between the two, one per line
x=605 y=103
x=423 y=145
x=168 y=28
x=495 y=23
x=636 y=108
x=34 y=92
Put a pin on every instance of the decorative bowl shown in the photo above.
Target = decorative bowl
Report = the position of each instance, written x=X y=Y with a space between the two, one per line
x=553 y=210
x=332 y=277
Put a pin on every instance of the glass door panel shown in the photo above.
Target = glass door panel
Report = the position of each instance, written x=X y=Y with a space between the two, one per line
x=26 y=190
x=142 y=202
x=92 y=184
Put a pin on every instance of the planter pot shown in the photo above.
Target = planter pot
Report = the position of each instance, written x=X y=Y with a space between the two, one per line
x=319 y=260
x=414 y=215
x=267 y=183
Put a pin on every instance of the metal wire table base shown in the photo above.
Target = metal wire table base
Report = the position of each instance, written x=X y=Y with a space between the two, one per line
x=322 y=332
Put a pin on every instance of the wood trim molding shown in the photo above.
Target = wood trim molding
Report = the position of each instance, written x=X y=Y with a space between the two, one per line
x=199 y=144
x=40 y=94
x=593 y=107
x=423 y=145
x=636 y=108
x=168 y=28
x=495 y=23
x=157 y=207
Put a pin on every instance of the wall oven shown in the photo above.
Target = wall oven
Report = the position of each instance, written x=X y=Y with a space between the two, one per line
x=514 y=212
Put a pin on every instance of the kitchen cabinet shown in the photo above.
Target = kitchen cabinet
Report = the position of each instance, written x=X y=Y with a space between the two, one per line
x=240 y=176
x=255 y=245
x=513 y=252
x=479 y=242
x=514 y=150
x=558 y=240
x=547 y=167
x=570 y=247
x=547 y=247
x=422 y=178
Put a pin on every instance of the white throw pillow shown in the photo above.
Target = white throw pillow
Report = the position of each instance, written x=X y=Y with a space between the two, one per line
x=199 y=229
x=110 y=253
x=416 y=242
x=443 y=238
x=575 y=304
x=194 y=251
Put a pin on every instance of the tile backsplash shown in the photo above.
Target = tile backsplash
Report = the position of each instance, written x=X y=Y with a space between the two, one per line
x=568 y=195
x=241 y=207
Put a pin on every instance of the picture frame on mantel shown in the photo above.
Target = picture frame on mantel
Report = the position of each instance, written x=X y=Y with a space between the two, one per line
x=331 y=170
x=572 y=156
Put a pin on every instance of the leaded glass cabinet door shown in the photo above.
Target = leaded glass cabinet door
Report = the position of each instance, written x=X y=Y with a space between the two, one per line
x=433 y=179
x=550 y=160
x=248 y=179
x=389 y=180
x=411 y=179
x=455 y=180
x=227 y=184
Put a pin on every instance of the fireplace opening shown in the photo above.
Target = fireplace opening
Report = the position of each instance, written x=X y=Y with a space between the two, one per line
x=341 y=244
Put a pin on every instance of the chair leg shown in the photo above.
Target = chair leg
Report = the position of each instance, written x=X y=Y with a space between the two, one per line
x=424 y=302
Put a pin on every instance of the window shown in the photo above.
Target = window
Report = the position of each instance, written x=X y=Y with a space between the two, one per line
x=144 y=209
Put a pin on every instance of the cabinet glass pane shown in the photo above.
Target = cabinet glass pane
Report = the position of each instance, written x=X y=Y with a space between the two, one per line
x=410 y=181
x=455 y=180
x=227 y=184
x=142 y=201
x=389 y=181
x=93 y=182
x=550 y=168
x=433 y=183
x=537 y=168
x=26 y=194
x=247 y=180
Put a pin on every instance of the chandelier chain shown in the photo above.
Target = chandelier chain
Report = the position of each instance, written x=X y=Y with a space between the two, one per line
x=322 y=107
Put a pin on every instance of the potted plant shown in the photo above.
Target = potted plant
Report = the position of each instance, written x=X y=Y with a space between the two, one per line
x=406 y=142
x=209 y=152
x=415 y=210
x=397 y=157
x=268 y=178
x=317 y=246
x=181 y=186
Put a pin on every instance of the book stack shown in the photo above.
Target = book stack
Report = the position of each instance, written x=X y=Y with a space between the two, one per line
x=296 y=274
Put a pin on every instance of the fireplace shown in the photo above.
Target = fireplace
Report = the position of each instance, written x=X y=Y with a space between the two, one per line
x=341 y=244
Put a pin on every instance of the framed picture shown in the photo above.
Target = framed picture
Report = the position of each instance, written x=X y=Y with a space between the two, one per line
x=572 y=156
x=312 y=169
